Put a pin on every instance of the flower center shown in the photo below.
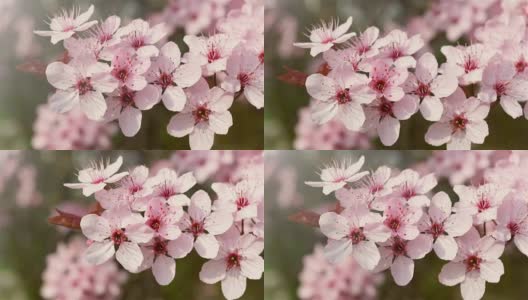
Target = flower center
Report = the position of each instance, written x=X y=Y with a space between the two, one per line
x=138 y=43
x=244 y=79
x=500 y=88
x=118 y=237
x=165 y=80
x=167 y=192
x=154 y=223
x=423 y=90
x=84 y=86
x=472 y=263
x=483 y=204
x=393 y=223
x=385 y=108
x=261 y=57
x=127 y=96
x=121 y=74
x=213 y=54
x=201 y=114
x=437 y=230
x=470 y=65
x=159 y=247
x=380 y=85
x=513 y=227
x=521 y=65
x=396 y=53
x=459 y=122
x=398 y=247
x=408 y=193
x=343 y=96
x=196 y=228
x=233 y=260
x=242 y=202
x=357 y=236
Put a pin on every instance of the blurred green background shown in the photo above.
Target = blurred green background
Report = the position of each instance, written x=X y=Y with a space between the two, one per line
x=21 y=93
x=284 y=100
x=26 y=237
x=288 y=242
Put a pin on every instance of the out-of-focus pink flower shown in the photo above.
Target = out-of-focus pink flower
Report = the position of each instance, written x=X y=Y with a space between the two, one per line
x=66 y=24
x=338 y=175
x=443 y=226
x=462 y=123
x=477 y=261
x=326 y=35
x=206 y=113
x=512 y=223
x=399 y=48
x=467 y=63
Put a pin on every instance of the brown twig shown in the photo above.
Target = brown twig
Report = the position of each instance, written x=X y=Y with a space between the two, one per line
x=73 y=221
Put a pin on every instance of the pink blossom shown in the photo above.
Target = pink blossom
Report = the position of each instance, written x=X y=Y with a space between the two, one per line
x=347 y=58
x=326 y=35
x=206 y=113
x=126 y=105
x=399 y=255
x=499 y=81
x=338 y=175
x=384 y=116
x=480 y=202
x=399 y=48
x=477 y=261
x=202 y=225
x=379 y=183
x=241 y=199
x=80 y=84
x=130 y=189
x=512 y=223
x=66 y=24
x=402 y=220
x=163 y=219
x=443 y=226
x=245 y=73
x=354 y=232
x=412 y=187
x=130 y=70
x=139 y=37
x=386 y=80
x=106 y=34
x=238 y=260
x=429 y=87
x=340 y=96
x=170 y=77
x=170 y=187
x=95 y=178
x=462 y=123
x=119 y=229
x=210 y=53
x=467 y=63
x=367 y=44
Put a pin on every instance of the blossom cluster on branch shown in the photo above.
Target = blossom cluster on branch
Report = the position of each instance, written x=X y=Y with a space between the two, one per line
x=116 y=72
x=147 y=219
x=388 y=219
x=371 y=82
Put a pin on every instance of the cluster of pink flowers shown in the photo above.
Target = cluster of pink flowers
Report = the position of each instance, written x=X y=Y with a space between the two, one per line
x=320 y=279
x=69 y=276
x=387 y=221
x=115 y=72
x=372 y=82
x=69 y=131
x=148 y=222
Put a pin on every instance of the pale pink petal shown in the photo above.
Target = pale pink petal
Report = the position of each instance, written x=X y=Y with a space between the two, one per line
x=445 y=247
x=202 y=138
x=95 y=227
x=444 y=86
x=252 y=267
x=389 y=131
x=213 y=271
x=233 y=285
x=431 y=108
x=180 y=247
x=92 y=188
x=64 y=101
x=93 y=105
x=187 y=75
x=491 y=271
x=130 y=121
x=174 y=98
x=99 y=253
x=164 y=269
x=394 y=93
x=147 y=97
x=333 y=225
x=336 y=251
x=402 y=270
x=366 y=254
x=129 y=256
x=218 y=222
x=200 y=206
x=206 y=246
x=220 y=122
x=458 y=224
x=181 y=125
x=322 y=112
x=60 y=75
x=427 y=68
x=452 y=274
x=352 y=116
x=477 y=132
x=473 y=287
x=438 y=134
x=255 y=96
x=511 y=107
x=440 y=207
x=420 y=246
x=320 y=87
